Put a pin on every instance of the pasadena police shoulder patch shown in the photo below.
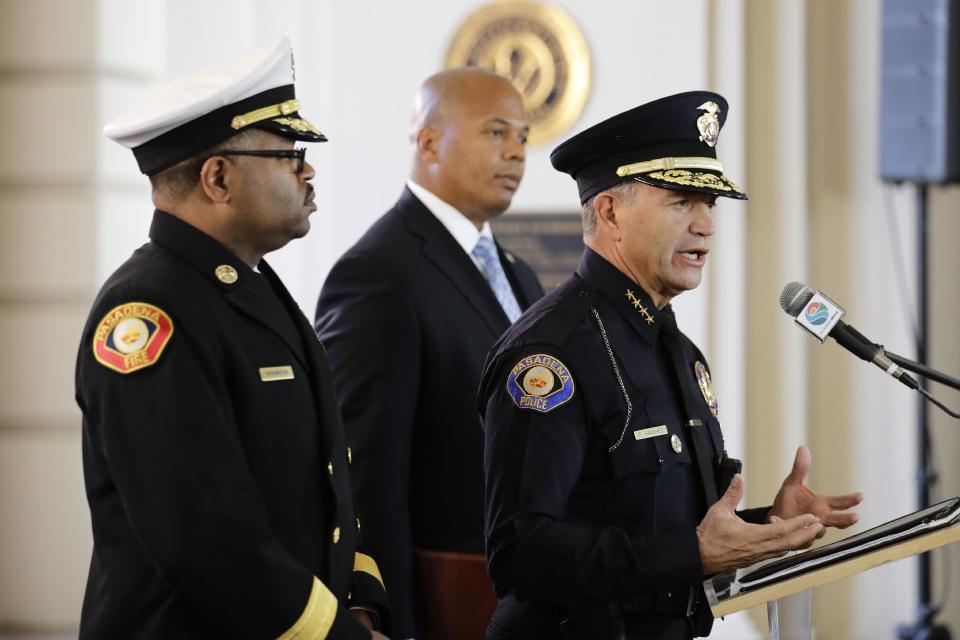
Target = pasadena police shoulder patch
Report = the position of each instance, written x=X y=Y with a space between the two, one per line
x=131 y=336
x=540 y=382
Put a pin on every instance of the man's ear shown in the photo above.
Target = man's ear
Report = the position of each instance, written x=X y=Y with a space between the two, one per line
x=213 y=179
x=428 y=142
x=605 y=210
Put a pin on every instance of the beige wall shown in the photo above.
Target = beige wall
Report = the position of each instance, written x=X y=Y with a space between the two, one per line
x=803 y=80
x=944 y=349
x=60 y=62
x=813 y=91
x=47 y=221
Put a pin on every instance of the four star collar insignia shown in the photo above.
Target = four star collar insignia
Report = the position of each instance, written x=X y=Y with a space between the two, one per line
x=540 y=383
x=638 y=305
x=131 y=336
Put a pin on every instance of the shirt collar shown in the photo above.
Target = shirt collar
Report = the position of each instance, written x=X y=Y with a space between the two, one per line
x=623 y=294
x=457 y=224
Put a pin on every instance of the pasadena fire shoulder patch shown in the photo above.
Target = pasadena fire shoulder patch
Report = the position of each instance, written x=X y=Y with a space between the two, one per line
x=131 y=336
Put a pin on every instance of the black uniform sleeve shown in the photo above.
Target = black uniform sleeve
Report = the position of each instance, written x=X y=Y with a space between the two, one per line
x=368 y=592
x=170 y=441
x=532 y=462
x=373 y=345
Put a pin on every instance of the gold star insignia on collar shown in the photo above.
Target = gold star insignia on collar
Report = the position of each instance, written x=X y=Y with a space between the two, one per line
x=631 y=296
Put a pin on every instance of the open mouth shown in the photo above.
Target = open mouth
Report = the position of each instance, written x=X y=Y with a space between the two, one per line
x=695 y=256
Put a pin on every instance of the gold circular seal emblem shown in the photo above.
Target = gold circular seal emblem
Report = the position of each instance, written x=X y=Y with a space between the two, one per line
x=540 y=49
x=538 y=381
x=226 y=274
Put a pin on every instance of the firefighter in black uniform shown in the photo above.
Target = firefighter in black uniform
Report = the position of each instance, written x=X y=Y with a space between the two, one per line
x=214 y=454
x=609 y=494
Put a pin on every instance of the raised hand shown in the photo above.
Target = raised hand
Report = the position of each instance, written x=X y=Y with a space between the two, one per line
x=727 y=542
x=796 y=498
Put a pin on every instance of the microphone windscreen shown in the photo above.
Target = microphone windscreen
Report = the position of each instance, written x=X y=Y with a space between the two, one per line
x=794 y=297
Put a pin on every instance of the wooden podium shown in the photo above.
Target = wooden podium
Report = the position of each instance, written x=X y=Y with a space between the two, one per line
x=836 y=570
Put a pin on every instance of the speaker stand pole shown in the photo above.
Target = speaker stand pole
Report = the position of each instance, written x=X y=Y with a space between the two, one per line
x=924 y=627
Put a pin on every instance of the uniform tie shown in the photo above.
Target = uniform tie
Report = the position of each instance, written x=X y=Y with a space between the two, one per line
x=696 y=427
x=486 y=252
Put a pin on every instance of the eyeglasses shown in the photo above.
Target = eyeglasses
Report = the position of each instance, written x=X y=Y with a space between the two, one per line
x=300 y=153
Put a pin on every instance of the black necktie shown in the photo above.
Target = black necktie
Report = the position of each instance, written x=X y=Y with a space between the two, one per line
x=697 y=426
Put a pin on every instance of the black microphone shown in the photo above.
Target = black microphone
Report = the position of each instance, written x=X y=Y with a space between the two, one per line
x=822 y=317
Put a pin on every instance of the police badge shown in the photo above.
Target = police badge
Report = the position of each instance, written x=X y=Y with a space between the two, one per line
x=706 y=388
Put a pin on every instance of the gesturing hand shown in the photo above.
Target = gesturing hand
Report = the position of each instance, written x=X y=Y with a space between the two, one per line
x=796 y=498
x=727 y=542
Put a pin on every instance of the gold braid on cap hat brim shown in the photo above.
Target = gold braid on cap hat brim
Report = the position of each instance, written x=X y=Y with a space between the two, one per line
x=277 y=113
x=263 y=113
x=665 y=164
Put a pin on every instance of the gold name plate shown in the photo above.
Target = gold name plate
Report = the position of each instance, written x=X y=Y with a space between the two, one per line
x=272 y=374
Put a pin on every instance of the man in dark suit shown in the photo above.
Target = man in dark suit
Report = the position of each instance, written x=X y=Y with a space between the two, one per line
x=407 y=316
x=213 y=450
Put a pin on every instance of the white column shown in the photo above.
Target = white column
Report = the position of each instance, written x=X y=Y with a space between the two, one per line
x=776 y=239
x=728 y=256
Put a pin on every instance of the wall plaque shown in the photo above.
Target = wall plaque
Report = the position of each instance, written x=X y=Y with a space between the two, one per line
x=551 y=243
x=540 y=49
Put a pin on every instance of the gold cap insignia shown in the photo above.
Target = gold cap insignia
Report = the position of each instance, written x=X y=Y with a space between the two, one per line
x=709 y=123
x=226 y=274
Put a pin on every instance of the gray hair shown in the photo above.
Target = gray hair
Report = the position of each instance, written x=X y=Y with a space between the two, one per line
x=623 y=190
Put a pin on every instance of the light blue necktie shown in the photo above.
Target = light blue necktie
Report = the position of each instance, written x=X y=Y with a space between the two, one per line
x=486 y=252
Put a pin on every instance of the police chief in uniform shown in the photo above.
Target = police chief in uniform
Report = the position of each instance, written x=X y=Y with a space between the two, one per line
x=214 y=456
x=609 y=494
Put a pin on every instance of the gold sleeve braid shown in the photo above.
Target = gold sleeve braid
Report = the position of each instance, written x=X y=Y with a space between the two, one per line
x=317 y=617
x=363 y=562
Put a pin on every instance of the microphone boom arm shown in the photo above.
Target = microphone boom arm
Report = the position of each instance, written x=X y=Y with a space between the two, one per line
x=923 y=370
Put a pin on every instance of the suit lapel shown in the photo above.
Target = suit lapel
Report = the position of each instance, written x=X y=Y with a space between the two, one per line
x=526 y=292
x=450 y=259
x=254 y=297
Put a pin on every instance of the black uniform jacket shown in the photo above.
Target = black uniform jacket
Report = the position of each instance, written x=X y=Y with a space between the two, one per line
x=407 y=320
x=584 y=505
x=216 y=475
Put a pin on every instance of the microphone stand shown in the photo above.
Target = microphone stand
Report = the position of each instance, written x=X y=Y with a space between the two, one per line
x=923 y=370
